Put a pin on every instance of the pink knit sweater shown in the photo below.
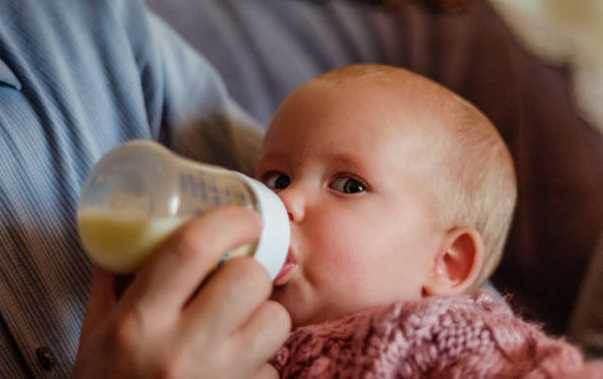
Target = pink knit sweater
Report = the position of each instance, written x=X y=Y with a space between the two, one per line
x=469 y=336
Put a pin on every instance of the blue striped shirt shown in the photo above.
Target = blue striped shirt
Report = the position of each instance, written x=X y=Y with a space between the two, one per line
x=78 y=77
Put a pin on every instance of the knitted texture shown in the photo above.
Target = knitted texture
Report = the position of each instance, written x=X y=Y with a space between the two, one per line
x=468 y=336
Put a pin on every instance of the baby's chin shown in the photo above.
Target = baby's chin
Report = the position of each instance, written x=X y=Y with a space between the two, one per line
x=310 y=310
x=301 y=308
x=282 y=296
x=304 y=311
x=307 y=304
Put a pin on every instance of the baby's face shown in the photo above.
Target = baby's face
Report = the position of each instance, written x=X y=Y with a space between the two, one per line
x=348 y=167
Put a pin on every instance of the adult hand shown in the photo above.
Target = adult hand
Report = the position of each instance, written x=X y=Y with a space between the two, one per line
x=165 y=325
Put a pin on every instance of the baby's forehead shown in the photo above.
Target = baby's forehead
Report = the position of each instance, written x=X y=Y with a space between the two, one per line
x=399 y=90
x=390 y=102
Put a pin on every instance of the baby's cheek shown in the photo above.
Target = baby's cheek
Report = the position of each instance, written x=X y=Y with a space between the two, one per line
x=341 y=255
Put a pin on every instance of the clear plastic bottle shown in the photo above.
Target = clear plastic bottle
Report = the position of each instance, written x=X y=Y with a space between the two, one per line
x=141 y=192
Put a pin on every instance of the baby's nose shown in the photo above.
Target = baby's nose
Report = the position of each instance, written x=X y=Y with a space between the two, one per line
x=294 y=202
x=295 y=212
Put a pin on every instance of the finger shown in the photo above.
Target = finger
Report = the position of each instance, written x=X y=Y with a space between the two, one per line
x=264 y=333
x=102 y=298
x=186 y=258
x=267 y=371
x=228 y=299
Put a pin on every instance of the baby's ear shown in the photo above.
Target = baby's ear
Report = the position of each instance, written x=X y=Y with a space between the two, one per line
x=458 y=264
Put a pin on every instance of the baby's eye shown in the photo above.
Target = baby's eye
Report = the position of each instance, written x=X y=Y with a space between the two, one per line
x=277 y=180
x=347 y=184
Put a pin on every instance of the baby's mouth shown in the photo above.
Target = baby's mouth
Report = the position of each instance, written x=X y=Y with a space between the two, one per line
x=287 y=271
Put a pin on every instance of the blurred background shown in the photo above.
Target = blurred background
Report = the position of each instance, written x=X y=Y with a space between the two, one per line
x=533 y=66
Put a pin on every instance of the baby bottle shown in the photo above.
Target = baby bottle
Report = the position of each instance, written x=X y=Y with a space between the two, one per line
x=141 y=192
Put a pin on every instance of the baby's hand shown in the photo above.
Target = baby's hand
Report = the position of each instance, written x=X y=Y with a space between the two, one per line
x=163 y=326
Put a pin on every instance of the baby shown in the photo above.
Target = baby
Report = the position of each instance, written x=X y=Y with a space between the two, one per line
x=400 y=194
x=396 y=189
